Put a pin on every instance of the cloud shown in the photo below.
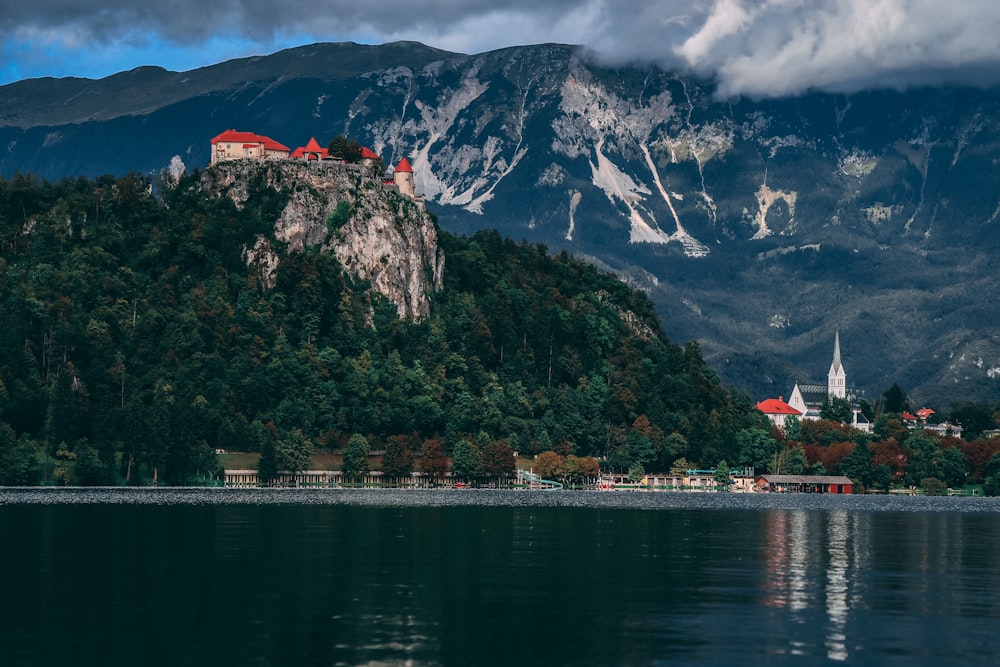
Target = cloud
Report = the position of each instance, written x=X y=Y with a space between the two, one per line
x=751 y=47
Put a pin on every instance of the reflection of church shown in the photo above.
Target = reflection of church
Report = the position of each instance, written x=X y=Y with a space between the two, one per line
x=811 y=561
x=807 y=400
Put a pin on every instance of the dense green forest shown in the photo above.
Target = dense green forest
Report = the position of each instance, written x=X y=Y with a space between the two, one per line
x=135 y=342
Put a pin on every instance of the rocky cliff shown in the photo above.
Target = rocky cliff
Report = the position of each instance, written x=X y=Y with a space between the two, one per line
x=376 y=234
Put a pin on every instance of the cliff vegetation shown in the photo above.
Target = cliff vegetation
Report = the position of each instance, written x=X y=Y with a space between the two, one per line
x=145 y=326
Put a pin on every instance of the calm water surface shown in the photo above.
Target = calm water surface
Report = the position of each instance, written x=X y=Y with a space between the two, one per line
x=331 y=577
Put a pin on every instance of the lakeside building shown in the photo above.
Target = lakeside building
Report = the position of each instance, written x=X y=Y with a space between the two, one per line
x=835 y=484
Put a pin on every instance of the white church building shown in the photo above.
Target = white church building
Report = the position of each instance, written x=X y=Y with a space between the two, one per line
x=806 y=400
x=809 y=398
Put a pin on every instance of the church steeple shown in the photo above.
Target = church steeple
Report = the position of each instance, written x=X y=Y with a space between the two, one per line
x=837 y=377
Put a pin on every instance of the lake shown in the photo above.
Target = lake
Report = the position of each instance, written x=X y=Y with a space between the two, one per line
x=479 y=577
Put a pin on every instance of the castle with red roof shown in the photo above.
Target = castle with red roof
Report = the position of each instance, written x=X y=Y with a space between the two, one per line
x=236 y=145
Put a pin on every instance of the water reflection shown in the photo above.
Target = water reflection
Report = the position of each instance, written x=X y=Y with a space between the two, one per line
x=637 y=579
x=801 y=552
x=836 y=586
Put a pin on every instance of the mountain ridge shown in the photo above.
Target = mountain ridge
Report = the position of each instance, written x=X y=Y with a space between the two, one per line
x=758 y=227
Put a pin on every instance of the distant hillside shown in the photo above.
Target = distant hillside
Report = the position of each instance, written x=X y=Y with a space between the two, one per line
x=756 y=227
x=286 y=307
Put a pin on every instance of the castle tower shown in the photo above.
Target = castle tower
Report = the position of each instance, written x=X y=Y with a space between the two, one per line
x=403 y=176
x=837 y=377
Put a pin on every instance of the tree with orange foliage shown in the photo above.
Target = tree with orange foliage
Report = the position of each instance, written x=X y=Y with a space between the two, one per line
x=832 y=455
x=581 y=468
x=550 y=465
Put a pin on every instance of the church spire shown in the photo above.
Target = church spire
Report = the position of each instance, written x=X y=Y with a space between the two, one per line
x=836 y=352
x=837 y=378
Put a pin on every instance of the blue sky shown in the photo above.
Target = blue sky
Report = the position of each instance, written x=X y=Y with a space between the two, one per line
x=753 y=47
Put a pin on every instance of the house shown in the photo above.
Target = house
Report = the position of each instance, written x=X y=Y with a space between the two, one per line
x=777 y=411
x=235 y=145
x=835 y=484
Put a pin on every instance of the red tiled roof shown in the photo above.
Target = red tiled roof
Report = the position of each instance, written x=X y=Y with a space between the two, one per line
x=404 y=166
x=369 y=154
x=272 y=145
x=312 y=149
x=909 y=417
x=237 y=137
x=776 y=406
x=924 y=413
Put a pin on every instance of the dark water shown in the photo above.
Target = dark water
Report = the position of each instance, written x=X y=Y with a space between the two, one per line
x=123 y=577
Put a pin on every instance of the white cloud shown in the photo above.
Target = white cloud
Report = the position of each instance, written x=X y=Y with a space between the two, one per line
x=752 y=47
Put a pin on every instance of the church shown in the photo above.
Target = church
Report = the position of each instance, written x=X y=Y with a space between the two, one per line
x=806 y=400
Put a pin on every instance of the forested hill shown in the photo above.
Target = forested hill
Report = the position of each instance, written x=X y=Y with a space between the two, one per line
x=138 y=334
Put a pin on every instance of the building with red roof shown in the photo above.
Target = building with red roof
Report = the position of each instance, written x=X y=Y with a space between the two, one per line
x=235 y=145
x=777 y=411
x=403 y=177
x=311 y=151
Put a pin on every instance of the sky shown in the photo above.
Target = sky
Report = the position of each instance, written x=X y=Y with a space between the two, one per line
x=758 y=48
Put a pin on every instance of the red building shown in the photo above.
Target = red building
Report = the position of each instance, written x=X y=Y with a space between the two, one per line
x=835 y=484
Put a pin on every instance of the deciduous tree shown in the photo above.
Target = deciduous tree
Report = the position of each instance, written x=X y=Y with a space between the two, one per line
x=397 y=461
x=498 y=460
x=581 y=469
x=756 y=448
x=433 y=461
x=466 y=460
x=837 y=409
x=550 y=465
x=355 y=456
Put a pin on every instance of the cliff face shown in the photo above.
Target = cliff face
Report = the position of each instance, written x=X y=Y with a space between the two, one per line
x=376 y=234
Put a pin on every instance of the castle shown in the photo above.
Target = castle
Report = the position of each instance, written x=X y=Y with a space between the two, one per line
x=236 y=145
x=806 y=400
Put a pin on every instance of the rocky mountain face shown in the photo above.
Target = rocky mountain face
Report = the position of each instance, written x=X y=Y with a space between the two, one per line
x=757 y=227
x=376 y=234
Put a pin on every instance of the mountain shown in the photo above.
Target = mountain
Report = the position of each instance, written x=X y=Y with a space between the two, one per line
x=758 y=227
